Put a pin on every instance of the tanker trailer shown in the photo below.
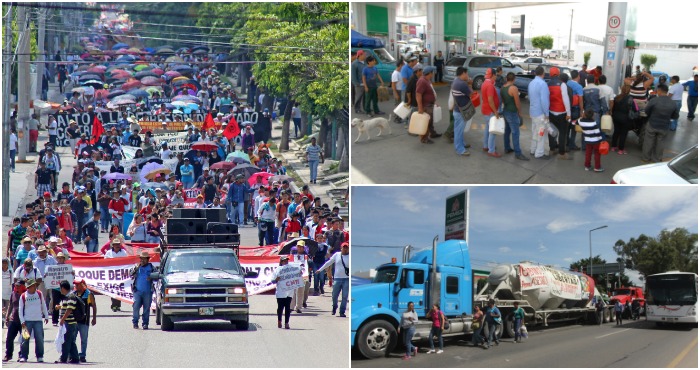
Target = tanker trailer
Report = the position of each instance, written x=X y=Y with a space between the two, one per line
x=546 y=294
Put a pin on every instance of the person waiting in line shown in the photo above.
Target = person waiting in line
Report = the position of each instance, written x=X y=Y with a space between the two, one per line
x=438 y=323
x=408 y=327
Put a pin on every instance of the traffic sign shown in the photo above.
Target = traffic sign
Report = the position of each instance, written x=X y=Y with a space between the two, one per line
x=614 y=22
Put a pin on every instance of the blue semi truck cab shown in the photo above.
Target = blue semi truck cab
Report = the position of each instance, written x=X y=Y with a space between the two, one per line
x=377 y=307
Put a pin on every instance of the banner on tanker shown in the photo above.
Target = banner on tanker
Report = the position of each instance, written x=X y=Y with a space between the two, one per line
x=147 y=121
x=57 y=273
x=562 y=284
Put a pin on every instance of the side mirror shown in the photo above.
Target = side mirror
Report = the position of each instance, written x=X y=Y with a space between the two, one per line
x=251 y=275
x=410 y=275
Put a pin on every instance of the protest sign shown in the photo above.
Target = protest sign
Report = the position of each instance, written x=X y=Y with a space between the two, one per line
x=57 y=273
x=290 y=277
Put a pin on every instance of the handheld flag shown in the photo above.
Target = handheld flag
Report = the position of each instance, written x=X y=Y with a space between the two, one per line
x=97 y=130
x=232 y=129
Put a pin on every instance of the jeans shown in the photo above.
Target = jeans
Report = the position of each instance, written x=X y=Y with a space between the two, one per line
x=70 y=349
x=13 y=153
x=537 y=142
x=52 y=140
x=267 y=235
x=152 y=239
x=36 y=328
x=83 y=330
x=338 y=285
x=407 y=336
x=319 y=280
x=371 y=100
x=188 y=184
x=460 y=128
x=297 y=126
x=435 y=331
x=313 y=169
x=91 y=246
x=79 y=232
x=516 y=328
x=559 y=143
x=653 y=147
x=13 y=330
x=692 y=105
x=674 y=122
x=489 y=139
x=618 y=317
x=476 y=336
x=236 y=210
x=55 y=300
x=492 y=333
x=141 y=300
x=284 y=304
x=104 y=220
x=512 y=127
x=359 y=95
x=619 y=136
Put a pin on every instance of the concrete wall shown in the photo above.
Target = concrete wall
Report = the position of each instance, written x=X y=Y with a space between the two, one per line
x=672 y=61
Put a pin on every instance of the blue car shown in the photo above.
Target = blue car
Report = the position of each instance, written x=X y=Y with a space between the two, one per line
x=658 y=74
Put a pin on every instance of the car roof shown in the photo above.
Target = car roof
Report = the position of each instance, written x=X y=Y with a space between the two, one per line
x=201 y=250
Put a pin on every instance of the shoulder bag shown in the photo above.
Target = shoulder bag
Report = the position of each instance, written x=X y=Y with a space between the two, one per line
x=468 y=111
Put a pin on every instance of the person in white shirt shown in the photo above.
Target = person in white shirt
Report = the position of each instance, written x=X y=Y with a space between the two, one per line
x=606 y=92
x=13 y=148
x=266 y=219
x=116 y=251
x=397 y=85
x=165 y=153
x=32 y=309
x=675 y=92
x=284 y=299
x=6 y=283
x=341 y=280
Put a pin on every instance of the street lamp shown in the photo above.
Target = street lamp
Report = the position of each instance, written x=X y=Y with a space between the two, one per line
x=590 y=249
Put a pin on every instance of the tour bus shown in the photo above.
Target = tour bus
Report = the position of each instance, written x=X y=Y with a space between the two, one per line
x=672 y=297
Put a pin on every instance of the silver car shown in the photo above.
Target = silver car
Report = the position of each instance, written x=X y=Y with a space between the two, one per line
x=476 y=66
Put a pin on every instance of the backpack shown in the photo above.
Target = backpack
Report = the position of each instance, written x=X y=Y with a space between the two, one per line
x=24 y=300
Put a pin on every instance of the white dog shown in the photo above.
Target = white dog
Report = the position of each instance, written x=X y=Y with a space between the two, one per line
x=363 y=127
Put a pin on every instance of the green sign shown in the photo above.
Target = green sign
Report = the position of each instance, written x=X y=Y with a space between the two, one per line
x=455 y=216
x=377 y=19
x=455 y=21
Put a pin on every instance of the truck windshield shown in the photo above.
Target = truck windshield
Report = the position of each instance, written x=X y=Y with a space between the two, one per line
x=386 y=275
x=201 y=261
x=672 y=290
x=621 y=292
x=384 y=56
x=686 y=165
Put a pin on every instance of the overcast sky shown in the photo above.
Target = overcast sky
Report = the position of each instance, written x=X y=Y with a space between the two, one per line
x=549 y=225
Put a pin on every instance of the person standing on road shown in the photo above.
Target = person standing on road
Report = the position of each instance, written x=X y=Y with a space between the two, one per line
x=438 y=319
x=42 y=260
x=660 y=111
x=477 y=326
x=538 y=92
x=91 y=230
x=370 y=75
x=675 y=92
x=114 y=252
x=314 y=155
x=692 y=100
x=33 y=125
x=357 y=66
x=14 y=148
x=68 y=304
x=519 y=318
x=461 y=94
x=439 y=63
x=593 y=136
x=489 y=108
x=143 y=290
x=341 y=280
x=12 y=321
x=397 y=85
x=560 y=96
x=493 y=319
x=53 y=130
x=510 y=97
x=408 y=326
x=618 y=312
x=599 y=308
x=426 y=101
x=284 y=299
x=32 y=310
x=576 y=108
x=43 y=179
x=88 y=298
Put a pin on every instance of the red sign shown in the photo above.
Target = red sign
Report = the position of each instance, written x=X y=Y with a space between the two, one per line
x=614 y=22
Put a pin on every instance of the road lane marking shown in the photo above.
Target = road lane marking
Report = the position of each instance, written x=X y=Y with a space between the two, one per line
x=617 y=332
x=683 y=353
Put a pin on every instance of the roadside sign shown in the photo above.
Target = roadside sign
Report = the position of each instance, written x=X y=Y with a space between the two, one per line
x=455 y=217
x=614 y=26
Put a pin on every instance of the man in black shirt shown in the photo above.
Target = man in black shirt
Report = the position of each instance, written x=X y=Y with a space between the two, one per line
x=135 y=139
x=660 y=110
x=43 y=179
x=209 y=191
x=116 y=167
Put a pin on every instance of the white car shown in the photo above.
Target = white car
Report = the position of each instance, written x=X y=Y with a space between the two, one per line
x=682 y=169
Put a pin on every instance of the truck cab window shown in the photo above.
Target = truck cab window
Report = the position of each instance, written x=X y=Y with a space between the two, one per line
x=386 y=275
x=452 y=285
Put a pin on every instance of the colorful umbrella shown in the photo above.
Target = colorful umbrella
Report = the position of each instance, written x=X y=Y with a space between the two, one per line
x=253 y=179
x=174 y=59
x=140 y=67
x=116 y=176
x=120 y=45
x=93 y=83
x=205 y=146
x=238 y=154
x=102 y=93
x=223 y=165
x=157 y=71
x=180 y=103
x=181 y=78
x=281 y=178
x=152 y=81
x=133 y=84
x=173 y=74
x=150 y=170
x=154 y=89
x=139 y=93
x=115 y=93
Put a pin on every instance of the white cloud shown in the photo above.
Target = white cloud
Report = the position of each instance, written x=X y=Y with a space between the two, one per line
x=646 y=202
x=568 y=259
x=560 y=225
x=542 y=248
x=576 y=194
x=687 y=217
x=504 y=250
x=383 y=254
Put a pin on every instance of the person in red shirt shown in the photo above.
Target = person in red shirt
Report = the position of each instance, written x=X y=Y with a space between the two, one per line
x=489 y=108
x=596 y=72
x=117 y=207
x=146 y=211
x=307 y=193
x=293 y=225
x=425 y=97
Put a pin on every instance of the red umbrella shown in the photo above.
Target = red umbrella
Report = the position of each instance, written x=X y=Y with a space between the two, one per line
x=132 y=84
x=253 y=179
x=99 y=94
x=173 y=74
x=205 y=146
x=152 y=81
x=157 y=71
x=222 y=166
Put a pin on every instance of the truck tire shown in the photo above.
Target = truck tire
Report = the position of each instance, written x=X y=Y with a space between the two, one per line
x=376 y=339
x=509 y=326
x=157 y=316
x=611 y=314
x=166 y=324
x=478 y=82
x=241 y=325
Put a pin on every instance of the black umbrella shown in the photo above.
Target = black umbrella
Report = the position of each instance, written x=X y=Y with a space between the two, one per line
x=201 y=47
x=311 y=244
x=143 y=161
x=246 y=169
x=200 y=52
x=142 y=74
x=90 y=76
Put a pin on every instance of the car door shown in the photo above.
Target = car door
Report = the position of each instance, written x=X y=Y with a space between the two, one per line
x=451 y=304
x=412 y=283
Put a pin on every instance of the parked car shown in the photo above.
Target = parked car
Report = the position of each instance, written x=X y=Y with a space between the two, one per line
x=658 y=74
x=531 y=63
x=682 y=169
x=477 y=65
x=520 y=53
x=522 y=81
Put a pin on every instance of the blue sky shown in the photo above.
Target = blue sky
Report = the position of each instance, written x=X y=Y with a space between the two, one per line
x=510 y=224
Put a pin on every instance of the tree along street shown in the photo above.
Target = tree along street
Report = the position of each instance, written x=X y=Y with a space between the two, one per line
x=635 y=344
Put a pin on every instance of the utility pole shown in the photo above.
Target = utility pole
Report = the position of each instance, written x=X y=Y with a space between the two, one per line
x=495 y=37
x=571 y=27
x=478 y=24
x=6 y=89
x=40 y=51
x=23 y=83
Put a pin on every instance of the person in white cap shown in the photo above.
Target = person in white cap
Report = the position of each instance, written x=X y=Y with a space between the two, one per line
x=114 y=252
x=32 y=309
x=142 y=286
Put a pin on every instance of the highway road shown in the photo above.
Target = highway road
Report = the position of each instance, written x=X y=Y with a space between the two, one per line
x=635 y=344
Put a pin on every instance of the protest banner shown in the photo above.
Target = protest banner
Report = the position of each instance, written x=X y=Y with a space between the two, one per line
x=290 y=277
x=301 y=260
x=57 y=273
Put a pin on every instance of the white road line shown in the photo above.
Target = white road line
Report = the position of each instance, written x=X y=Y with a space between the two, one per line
x=617 y=332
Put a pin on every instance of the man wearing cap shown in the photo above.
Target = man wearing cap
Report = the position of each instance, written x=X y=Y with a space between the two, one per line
x=284 y=298
x=73 y=134
x=81 y=144
x=15 y=239
x=341 y=280
x=237 y=194
x=32 y=309
x=116 y=208
x=559 y=112
x=426 y=100
x=79 y=206
x=357 y=67
x=42 y=260
x=88 y=299
x=187 y=174
x=91 y=230
x=370 y=74
x=69 y=302
x=43 y=179
x=26 y=255
x=12 y=321
x=115 y=252
x=142 y=287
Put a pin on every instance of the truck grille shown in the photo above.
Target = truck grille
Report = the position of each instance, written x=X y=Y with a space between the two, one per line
x=205 y=299
x=205 y=291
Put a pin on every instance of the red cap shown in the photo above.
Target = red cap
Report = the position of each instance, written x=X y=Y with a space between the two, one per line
x=47 y=194
x=554 y=71
x=78 y=281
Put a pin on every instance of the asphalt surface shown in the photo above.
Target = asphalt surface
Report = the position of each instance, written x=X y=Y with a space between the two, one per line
x=635 y=344
x=401 y=159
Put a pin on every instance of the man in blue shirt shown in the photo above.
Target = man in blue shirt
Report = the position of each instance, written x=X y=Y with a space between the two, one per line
x=492 y=317
x=406 y=73
x=237 y=193
x=576 y=109
x=187 y=174
x=357 y=66
x=142 y=288
x=538 y=92
x=370 y=75
x=692 y=96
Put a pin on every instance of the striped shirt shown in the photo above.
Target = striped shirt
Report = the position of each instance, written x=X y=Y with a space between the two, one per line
x=591 y=131
x=314 y=152
x=69 y=301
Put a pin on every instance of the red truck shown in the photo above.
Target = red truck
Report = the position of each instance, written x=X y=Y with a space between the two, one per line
x=635 y=296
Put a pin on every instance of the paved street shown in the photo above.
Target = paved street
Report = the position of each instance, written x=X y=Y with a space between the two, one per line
x=632 y=345
x=401 y=159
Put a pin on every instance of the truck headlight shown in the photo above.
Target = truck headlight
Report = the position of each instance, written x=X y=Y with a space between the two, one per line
x=174 y=291
x=238 y=290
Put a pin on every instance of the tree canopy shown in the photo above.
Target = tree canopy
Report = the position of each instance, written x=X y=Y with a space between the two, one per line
x=671 y=250
x=542 y=42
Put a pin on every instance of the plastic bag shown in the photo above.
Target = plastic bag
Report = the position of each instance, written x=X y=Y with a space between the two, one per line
x=604 y=148
x=437 y=114
x=552 y=130
x=60 y=338
x=523 y=331
x=25 y=334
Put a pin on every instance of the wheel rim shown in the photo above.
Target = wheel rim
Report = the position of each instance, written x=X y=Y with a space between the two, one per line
x=378 y=339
